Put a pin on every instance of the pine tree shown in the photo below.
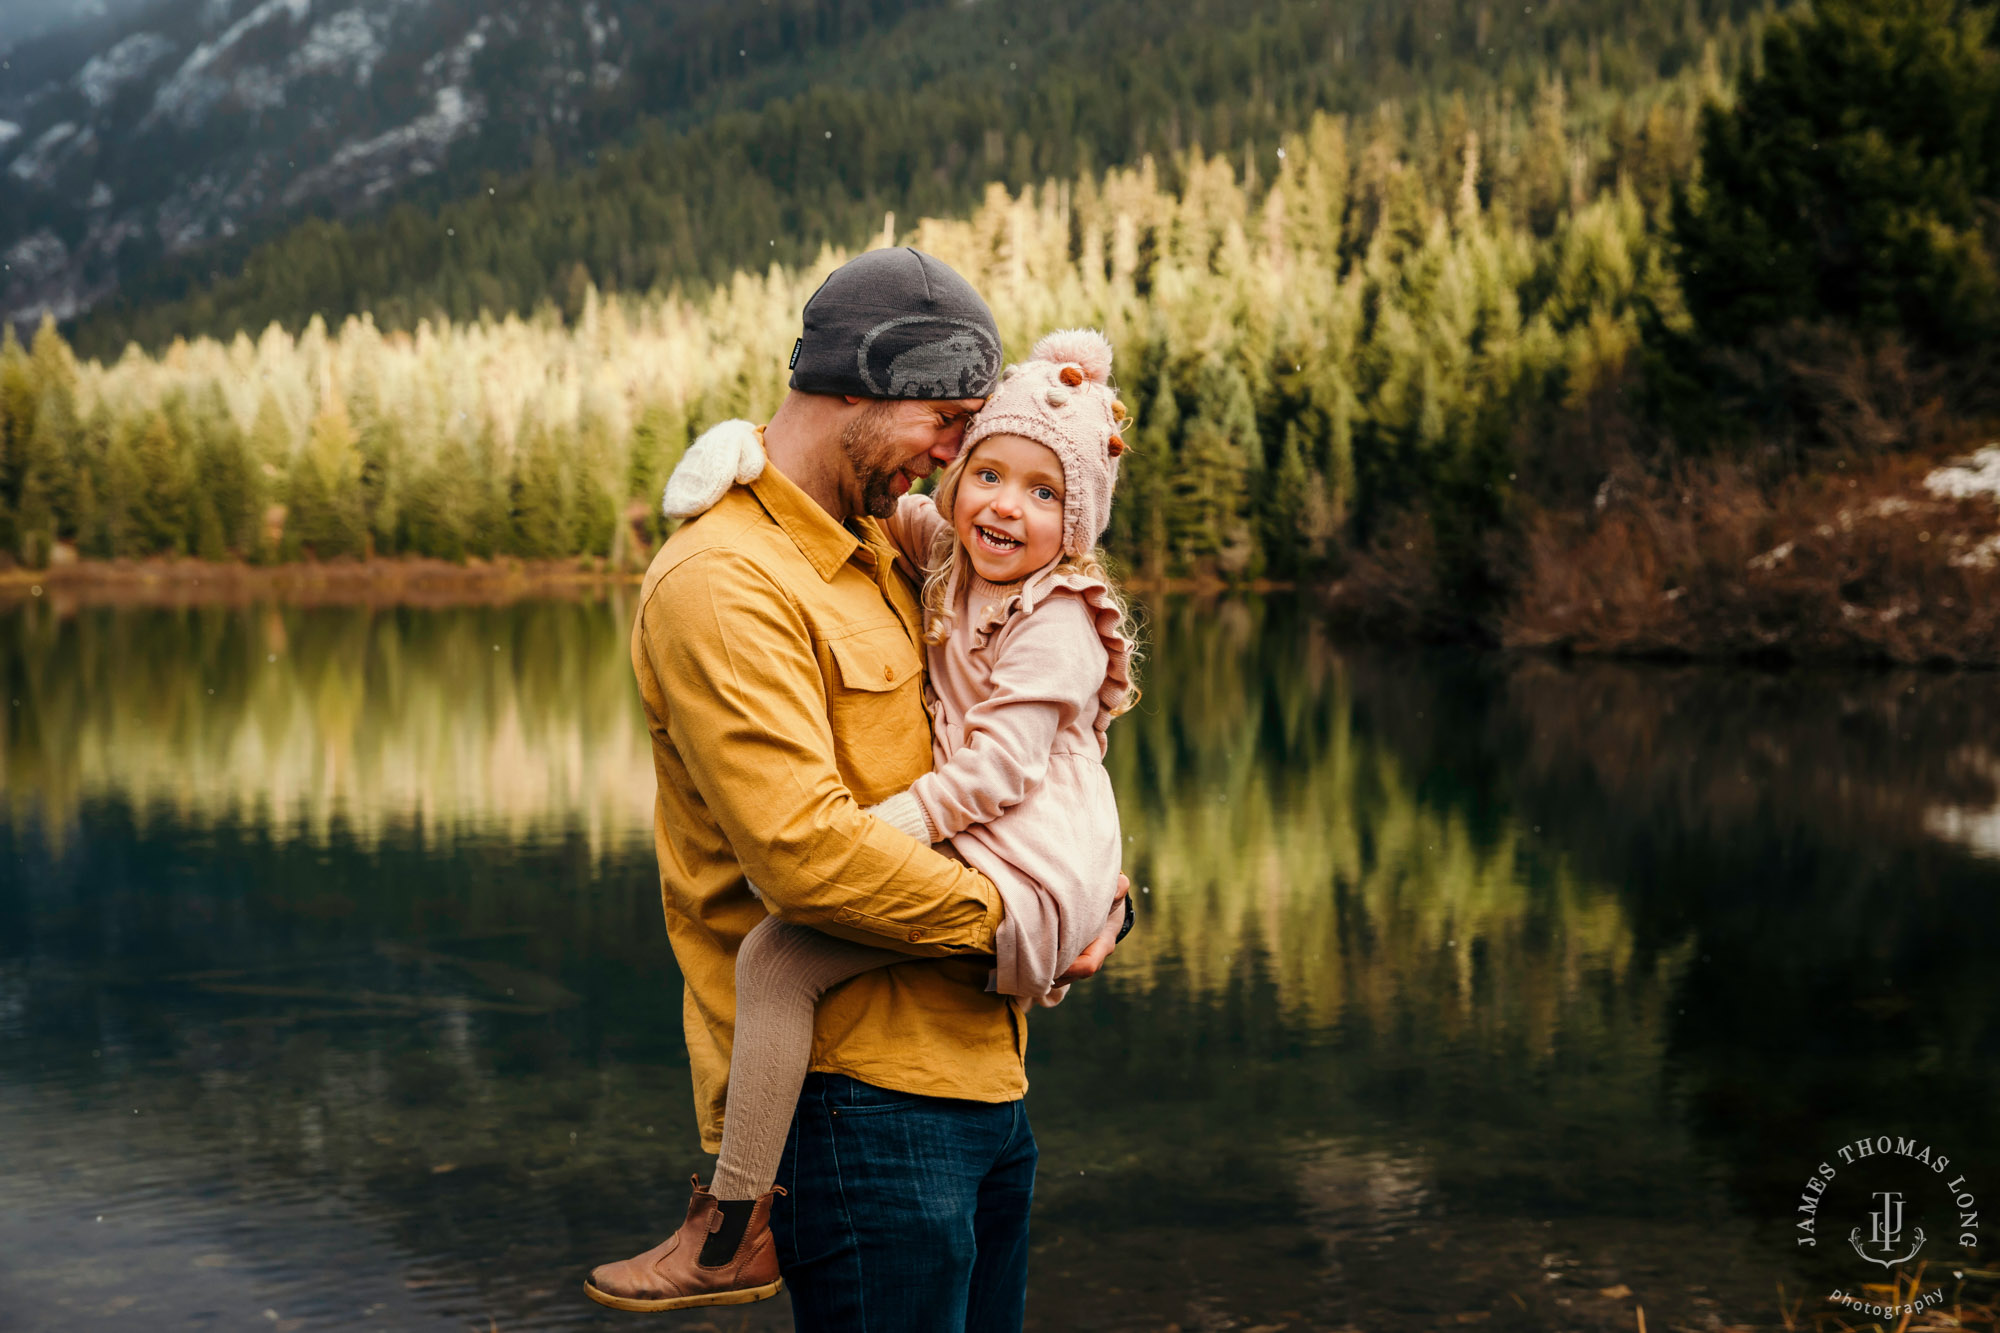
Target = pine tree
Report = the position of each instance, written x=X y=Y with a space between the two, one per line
x=47 y=508
x=323 y=509
x=658 y=441
x=35 y=519
x=157 y=503
x=18 y=395
x=124 y=491
x=1150 y=479
x=383 y=467
x=229 y=487
x=268 y=454
x=207 y=541
x=540 y=500
x=1855 y=179
x=1210 y=479
x=439 y=517
x=1294 y=488
x=593 y=515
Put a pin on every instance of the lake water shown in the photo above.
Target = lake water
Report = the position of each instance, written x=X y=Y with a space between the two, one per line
x=1467 y=991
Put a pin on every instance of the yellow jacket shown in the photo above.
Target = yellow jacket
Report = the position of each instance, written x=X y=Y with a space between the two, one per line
x=779 y=660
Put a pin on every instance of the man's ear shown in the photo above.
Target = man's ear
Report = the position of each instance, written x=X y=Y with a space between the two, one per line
x=851 y=399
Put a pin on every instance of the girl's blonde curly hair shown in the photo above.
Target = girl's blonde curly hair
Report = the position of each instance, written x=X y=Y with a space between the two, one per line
x=948 y=563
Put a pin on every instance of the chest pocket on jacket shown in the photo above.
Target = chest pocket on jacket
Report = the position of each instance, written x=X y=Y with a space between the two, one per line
x=876 y=708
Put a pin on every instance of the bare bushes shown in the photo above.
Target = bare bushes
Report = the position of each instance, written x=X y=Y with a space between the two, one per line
x=1859 y=564
x=1811 y=395
x=1799 y=529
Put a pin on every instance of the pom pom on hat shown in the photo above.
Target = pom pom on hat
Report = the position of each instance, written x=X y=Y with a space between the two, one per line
x=1085 y=349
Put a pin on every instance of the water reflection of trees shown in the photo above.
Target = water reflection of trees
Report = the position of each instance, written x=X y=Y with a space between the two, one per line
x=1811 y=836
x=1340 y=954
x=1268 y=816
x=1508 y=911
x=520 y=719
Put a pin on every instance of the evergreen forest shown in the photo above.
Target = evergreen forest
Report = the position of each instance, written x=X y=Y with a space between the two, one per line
x=1376 y=294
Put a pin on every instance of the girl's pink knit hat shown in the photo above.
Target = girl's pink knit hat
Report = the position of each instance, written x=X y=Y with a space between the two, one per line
x=1061 y=396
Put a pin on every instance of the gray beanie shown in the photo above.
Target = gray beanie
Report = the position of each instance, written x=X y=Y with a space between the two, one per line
x=897 y=324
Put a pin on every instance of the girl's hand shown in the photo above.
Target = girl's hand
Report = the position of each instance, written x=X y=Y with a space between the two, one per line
x=1090 y=960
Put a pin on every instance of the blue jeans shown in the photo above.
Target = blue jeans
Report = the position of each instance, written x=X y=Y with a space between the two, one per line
x=904 y=1214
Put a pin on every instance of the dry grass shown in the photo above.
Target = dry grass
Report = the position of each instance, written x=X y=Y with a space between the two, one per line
x=1855 y=563
x=1961 y=1302
x=1392 y=585
x=400 y=581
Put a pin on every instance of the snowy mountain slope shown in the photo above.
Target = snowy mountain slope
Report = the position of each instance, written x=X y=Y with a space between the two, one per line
x=183 y=126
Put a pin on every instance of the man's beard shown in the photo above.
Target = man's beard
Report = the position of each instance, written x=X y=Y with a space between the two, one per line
x=873 y=455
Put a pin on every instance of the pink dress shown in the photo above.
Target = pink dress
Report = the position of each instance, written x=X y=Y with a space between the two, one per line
x=1019 y=698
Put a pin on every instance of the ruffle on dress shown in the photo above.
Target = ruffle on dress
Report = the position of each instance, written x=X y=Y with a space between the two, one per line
x=1105 y=614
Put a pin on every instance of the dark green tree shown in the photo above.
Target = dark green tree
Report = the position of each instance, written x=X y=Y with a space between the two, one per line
x=1219 y=444
x=124 y=487
x=47 y=509
x=323 y=508
x=18 y=396
x=438 y=519
x=658 y=439
x=155 y=491
x=1854 y=179
x=1140 y=519
x=228 y=487
x=540 y=498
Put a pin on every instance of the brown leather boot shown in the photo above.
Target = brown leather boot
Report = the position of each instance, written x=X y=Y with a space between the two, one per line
x=673 y=1276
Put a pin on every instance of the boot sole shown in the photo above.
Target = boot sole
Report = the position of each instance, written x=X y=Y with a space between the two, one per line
x=639 y=1305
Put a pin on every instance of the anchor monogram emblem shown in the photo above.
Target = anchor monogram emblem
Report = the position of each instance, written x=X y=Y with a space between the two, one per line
x=1885 y=1231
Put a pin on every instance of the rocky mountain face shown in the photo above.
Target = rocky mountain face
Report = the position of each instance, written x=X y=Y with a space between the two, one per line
x=141 y=134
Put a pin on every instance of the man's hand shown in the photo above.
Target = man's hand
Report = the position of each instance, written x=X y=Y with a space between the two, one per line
x=1090 y=960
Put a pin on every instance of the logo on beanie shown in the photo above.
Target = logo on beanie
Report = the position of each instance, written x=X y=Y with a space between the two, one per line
x=926 y=356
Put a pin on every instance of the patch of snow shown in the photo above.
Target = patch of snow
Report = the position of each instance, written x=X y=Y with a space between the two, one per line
x=1968 y=479
x=257 y=88
x=346 y=41
x=100 y=196
x=1983 y=555
x=1772 y=558
x=454 y=63
x=412 y=149
x=36 y=256
x=604 y=74
x=103 y=75
x=603 y=27
x=198 y=84
x=1976 y=830
x=9 y=132
x=41 y=158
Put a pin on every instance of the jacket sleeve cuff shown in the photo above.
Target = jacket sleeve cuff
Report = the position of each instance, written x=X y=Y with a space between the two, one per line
x=901 y=812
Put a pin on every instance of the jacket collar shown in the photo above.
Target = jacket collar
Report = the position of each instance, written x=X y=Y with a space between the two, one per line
x=825 y=544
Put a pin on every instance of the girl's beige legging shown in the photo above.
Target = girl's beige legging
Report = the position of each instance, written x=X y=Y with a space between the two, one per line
x=781 y=971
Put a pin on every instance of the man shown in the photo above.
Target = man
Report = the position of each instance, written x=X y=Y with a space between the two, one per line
x=778 y=653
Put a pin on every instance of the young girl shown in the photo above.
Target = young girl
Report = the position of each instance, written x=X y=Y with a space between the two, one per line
x=1029 y=660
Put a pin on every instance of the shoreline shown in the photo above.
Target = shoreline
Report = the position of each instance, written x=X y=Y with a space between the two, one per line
x=415 y=581
x=431 y=584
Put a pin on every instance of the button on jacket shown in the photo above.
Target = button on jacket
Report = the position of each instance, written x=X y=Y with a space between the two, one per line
x=778 y=657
